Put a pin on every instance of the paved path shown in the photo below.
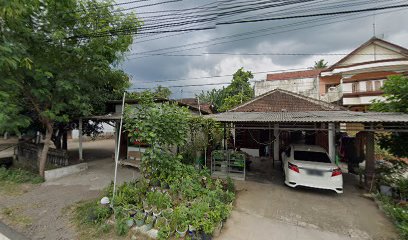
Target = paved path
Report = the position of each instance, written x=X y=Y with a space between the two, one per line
x=6 y=233
x=245 y=226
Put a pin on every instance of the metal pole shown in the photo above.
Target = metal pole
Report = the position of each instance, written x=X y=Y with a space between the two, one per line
x=117 y=149
x=80 y=140
x=332 y=144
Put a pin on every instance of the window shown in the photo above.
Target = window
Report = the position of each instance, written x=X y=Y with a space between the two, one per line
x=307 y=156
x=369 y=86
x=355 y=87
x=330 y=85
x=377 y=85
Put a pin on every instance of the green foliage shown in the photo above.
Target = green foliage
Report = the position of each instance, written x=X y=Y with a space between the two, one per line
x=237 y=92
x=164 y=124
x=121 y=227
x=396 y=100
x=204 y=133
x=92 y=213
x=51 y=70
x=399 y=213
x=19 y=176
x=321 y=64
x=162 y=92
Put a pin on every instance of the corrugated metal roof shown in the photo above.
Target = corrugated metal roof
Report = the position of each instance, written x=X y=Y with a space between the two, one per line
x=312 y=116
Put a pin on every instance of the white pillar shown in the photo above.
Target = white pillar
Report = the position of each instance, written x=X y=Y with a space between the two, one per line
x=80 y=140
x=332 y=144
x=276 y=142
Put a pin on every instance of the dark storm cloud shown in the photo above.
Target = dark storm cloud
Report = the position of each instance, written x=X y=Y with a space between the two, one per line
x=340 y=37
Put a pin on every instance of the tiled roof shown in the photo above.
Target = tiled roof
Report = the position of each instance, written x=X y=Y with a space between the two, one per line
x=293 y=75
x=193 y=103
x=279 y=100
x=312 y=116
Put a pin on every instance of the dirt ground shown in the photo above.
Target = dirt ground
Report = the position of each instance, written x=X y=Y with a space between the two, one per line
x=303 y=213
x=40 y=211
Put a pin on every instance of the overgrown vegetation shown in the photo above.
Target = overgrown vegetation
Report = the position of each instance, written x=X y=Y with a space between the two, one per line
x=396 y=100
x=19 y=176
x=398 y=212
x=392 y=183
x=171 y=196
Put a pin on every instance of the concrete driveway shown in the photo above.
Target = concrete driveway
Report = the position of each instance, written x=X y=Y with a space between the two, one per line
x=266 y=209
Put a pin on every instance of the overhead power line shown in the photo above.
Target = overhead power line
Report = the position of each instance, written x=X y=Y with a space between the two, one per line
x=315 y=15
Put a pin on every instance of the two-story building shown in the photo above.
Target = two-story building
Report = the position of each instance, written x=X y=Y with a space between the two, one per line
x=356 y=80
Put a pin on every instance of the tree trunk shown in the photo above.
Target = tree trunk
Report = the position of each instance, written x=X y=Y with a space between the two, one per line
x=65 y=139
x=43 y=154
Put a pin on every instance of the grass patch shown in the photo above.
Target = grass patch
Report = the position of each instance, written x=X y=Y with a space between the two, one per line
x=19 y=176
x=17 y=181
x=14 y=215
x=90 y=219
x=398 y=213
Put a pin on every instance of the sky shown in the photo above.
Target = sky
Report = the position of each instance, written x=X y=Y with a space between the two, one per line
x=161 y=59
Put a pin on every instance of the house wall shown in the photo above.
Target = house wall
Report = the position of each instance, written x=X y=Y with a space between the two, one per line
x=304 y=86
x=328 y=80
x=373 y=52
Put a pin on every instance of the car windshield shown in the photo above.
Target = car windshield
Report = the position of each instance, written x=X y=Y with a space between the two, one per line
x=307 y=156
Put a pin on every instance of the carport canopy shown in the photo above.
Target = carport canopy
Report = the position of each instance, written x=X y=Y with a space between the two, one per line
x=368 y=122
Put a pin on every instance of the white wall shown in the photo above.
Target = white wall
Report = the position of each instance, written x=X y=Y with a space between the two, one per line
x=107 y=129
x=367 y=54
x=304 y=86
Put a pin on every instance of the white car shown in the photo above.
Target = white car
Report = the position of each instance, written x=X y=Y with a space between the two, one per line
x=310 y=166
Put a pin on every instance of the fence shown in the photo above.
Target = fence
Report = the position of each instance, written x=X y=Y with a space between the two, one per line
x=228 y=163
x=27 y=154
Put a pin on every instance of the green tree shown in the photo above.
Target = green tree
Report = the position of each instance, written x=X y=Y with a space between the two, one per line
x=162 y=92
x=239 y=91
x=396 y=100
x=57 y=64
x=321 y=64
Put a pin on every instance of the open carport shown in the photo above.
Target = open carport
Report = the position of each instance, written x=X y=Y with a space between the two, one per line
x=265 y=208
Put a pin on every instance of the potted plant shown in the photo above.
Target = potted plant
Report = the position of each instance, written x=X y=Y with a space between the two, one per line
x=180 y=217
x=129 y=222
x=139 y=219
x=164 y=232
x=182 y=229
x=149 y=223
x=147 y=208
x=160 y=223
x=156 y=212
x=167 y=213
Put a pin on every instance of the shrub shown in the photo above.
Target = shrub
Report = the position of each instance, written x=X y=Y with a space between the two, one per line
x=399 y=213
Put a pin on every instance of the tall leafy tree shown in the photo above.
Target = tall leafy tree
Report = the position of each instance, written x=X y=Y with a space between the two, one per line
x=239 y=91
x=396 y=100
x=162 y=92
x=59 y=61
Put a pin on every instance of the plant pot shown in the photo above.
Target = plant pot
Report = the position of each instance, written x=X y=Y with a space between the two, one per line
x=167 y=213
x=139 y=223
x=157 y=213
x=191 y=228
x=149 y=226
x=205 y=236
x=129 y=222
x=181 y=233
x=386 y=190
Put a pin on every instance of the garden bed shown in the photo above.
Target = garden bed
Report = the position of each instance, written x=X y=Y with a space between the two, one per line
x=192 y=204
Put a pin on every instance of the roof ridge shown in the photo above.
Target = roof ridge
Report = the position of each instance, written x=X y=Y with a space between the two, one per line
x=312 y=100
